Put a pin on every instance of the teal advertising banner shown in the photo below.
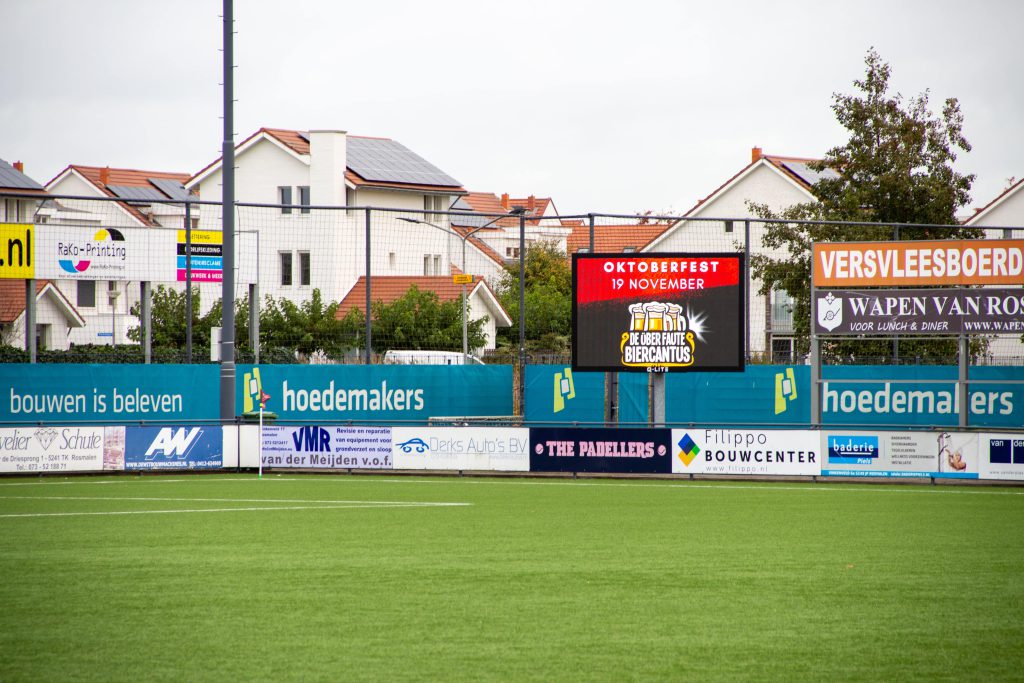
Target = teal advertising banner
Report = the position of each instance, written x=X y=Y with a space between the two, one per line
x=768 y=395
x=395 y=394
x=108 y=393
x=555 y=395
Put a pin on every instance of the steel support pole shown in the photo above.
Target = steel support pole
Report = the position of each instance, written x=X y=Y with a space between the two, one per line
x=522 y=313
x=962 y=384
x=747 y=294
x=815 y=394
x=227 y=340
x=465 y=327
x=657 y=399
x=254 y=321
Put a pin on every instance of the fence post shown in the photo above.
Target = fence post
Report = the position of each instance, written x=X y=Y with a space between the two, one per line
x=749 y=285
x=369 y=322
x=227 y=343
x=188 y=280
x=962 y=388
x=145 y=312
x=522 y=313
x=30 y=319
x=254 y=320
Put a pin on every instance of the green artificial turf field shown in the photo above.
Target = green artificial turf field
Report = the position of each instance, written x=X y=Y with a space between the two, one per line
x=228 y=577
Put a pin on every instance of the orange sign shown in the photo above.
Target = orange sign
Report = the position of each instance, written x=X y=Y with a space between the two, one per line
x=462 y=279
x=938 y=262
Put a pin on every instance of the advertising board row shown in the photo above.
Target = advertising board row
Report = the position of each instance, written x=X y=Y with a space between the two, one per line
x=714 y=451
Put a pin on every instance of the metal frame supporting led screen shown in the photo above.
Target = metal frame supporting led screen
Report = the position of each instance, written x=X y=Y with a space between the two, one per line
x=658 y=312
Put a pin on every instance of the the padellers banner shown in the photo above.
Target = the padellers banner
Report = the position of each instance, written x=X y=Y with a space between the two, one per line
x=622 y=451
x=658 y=313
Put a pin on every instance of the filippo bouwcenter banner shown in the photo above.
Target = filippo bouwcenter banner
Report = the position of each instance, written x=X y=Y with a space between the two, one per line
x=658 y=313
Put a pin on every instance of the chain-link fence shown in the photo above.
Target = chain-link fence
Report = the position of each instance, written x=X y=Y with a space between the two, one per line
x=439 y=286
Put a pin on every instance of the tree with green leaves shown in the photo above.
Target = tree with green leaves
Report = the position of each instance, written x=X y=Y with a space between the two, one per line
x=897 y=167
x=168 y=317
x=548 y=294
x=420 y=320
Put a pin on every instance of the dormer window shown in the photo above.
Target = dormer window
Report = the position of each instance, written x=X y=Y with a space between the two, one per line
x=284 y=198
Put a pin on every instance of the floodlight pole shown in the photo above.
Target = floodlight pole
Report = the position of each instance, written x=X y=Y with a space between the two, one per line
x=227 y=340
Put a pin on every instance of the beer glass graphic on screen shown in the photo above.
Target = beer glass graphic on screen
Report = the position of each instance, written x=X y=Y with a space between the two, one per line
x=637 y=318
x=655 y=316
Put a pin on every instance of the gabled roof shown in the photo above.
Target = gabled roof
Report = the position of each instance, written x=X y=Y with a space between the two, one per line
x=130 y=184
x=389 y=288
x=14 y=181
x=480 y=245
x=370 y=162
x=1004 y=196
x=614 y=239
x=490 y=205
x=12 y=301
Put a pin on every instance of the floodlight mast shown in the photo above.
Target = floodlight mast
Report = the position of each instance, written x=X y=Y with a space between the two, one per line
x=227 y=340
x=464 y=237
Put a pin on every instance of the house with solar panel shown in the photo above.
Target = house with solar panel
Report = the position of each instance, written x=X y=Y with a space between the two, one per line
x=20 y=195
x=778 y=182
x=119 y=198
x=295 y=175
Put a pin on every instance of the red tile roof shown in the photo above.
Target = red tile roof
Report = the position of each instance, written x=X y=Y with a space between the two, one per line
x=123 y=176
x=389 y=288
x=775 y=160
x=613 y=239
x=12 y=298
x=481 y=245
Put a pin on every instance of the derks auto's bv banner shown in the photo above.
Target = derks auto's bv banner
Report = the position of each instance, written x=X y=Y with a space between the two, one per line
x=746 y=451
x=485 y=449
x=664 y=313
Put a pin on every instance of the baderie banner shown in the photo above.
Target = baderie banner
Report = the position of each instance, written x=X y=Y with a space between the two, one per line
x=494 y=449
x=860 y=453
x=919 y=311
x=600 y=450
x=664 y=313
x=746 y=451
x=327 y=447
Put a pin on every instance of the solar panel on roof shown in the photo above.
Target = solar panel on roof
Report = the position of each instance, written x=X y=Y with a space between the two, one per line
x=809 y=176
x=172 y=188
x=303 y=134
x=392 y=162
x=12 y=178
x=137 y=193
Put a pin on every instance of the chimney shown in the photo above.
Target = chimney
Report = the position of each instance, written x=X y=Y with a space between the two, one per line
x=328 y=158
x=755 y=154
x=105 y=176
x=19 y=167
x=504 y=202
x=531 y=203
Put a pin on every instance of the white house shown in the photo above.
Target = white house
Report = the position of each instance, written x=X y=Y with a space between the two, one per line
x=56 y=318
x=20 y=196
x=542 y=223
x=125 y=198
x=306 y=239
x=778 y=182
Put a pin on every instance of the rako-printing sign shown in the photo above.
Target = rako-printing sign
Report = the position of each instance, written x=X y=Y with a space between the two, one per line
x=658 y=313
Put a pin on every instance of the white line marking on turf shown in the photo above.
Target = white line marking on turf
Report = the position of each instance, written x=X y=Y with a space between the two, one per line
x=229 y=500
x=367 y=504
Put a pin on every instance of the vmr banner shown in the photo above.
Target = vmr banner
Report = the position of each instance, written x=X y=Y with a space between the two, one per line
x=323 y=447
x=664 y=313
x=393 y=393
x=919 y=311
x=600 y=450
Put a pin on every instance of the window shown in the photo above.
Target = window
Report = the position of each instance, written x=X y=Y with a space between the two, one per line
x=286 y=268
x=1007 y=233
x=304 y=198
x=583 y=250
x=426 y=264
x=728 y=226
x=350 y=199
x=782 y=350
x=437 y=264
x=284 y=196
x=42 y=337
x=304 y=268
x=391 y=260
x=87 y=294
x=782 y=312
x=511 y=252
x=628 y=250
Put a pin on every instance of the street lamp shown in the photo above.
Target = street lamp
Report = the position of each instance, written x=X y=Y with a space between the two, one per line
x=465 y=237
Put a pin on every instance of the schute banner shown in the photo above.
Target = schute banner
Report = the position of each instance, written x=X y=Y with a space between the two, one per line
x=670 y=312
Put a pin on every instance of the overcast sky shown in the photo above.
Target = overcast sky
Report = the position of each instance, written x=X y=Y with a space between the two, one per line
x=604 y=106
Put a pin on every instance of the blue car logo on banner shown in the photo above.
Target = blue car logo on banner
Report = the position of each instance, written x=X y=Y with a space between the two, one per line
x=184 y=448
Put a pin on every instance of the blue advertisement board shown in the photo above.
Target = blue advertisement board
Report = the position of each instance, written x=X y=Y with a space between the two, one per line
x=395 y=394
x=108 y=393
x=173 y=448
x=555 y=395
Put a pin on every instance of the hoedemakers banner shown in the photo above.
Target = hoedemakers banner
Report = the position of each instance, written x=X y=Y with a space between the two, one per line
x=664 y=313
x=743 y=451
x=856 y=453
x=486 y=449
x=321 y=447
x=51 y=449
